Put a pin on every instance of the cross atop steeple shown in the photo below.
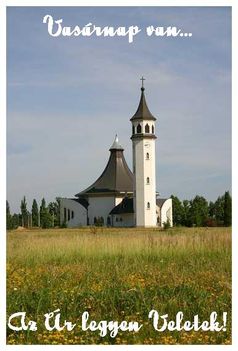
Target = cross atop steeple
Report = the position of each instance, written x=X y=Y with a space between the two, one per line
x=142 y=84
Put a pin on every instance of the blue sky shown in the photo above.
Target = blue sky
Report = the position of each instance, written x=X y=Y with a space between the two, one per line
x=67 y=97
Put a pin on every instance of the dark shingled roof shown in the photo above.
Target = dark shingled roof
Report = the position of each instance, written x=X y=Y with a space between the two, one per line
x=116 y=177
x=160 y=202
x=126 y=206
x=143 y=111
x=82 y=202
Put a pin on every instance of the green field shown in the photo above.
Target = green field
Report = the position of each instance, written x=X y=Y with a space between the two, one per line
x=119 y=274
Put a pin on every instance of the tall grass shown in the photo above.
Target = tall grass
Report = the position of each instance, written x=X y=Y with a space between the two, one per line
x=120 y=274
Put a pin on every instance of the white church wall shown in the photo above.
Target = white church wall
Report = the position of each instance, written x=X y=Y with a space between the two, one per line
x=73 y=213
x=100 y=207
x=123 y=220
x=166 y=212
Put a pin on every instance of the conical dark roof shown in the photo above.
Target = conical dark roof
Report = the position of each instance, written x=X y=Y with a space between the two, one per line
x=125 y=206
x=143 y=111
x=116 y=177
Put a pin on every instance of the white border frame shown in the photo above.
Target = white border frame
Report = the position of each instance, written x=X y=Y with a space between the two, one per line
x=68 y=3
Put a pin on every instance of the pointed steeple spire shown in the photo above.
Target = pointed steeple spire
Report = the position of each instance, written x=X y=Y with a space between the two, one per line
x=143 y=112
x=116 y=145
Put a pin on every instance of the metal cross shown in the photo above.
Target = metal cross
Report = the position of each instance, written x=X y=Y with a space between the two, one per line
x=142 y=79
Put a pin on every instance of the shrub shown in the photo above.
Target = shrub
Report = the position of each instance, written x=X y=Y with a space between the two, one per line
x=210 y=222
x=63 y=225
x=166 y=225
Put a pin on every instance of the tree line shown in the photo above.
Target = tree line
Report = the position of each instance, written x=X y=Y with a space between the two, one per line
x=196 y=212
x=44 y=216
x=199 y=212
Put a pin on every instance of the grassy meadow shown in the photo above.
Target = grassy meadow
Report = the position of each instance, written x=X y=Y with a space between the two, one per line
x=119 y=274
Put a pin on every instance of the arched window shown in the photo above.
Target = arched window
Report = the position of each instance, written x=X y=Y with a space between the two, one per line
x=153 y=129
x=138 y=129
x=133 y=129
x=147 y=156
x=148 y=205
x=147 y=128
x=147 y=180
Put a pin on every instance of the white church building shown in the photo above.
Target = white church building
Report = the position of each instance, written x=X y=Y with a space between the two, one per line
x=120 y=198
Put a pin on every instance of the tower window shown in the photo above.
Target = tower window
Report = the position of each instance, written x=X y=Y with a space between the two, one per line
x=147 y=180
x=133 y=129
x=147 y=128
x=138 y=129
x=153 y=129
x=148 y=206
x=147 y=156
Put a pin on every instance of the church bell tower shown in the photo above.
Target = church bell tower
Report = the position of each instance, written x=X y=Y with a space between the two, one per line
x=143 y=144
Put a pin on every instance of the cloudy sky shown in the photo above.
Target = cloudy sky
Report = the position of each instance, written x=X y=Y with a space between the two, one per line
x=67 y=97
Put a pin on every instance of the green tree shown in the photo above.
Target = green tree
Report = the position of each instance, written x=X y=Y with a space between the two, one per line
x=211 y=220
x=219 y=209
x=42 y=210
x=45 y=217
x=198 y=211
x=35 y=214
x=227 y=209
x=185 y=218
x=211 y=209
x=15 y=220
x=24 y=212
x=54 y=210
x=8 y=217
x=178 y=210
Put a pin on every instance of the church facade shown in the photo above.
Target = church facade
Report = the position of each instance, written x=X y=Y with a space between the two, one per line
x=119 y=197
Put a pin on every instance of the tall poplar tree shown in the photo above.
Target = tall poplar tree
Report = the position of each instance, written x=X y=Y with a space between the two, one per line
x=178 y=211
x=8 y=216
x=45 y=216
x=24 y=212
x=54 y=210
x=227 y=209
x=35 y=213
